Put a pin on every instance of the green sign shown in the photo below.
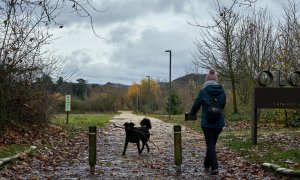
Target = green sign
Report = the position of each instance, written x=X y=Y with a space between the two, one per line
x=68 y=103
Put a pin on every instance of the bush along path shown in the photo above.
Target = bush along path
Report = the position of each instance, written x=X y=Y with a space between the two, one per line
x=68 y=158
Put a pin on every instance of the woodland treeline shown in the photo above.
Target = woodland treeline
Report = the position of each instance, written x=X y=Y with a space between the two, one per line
x=242 y=41
x=147 y=96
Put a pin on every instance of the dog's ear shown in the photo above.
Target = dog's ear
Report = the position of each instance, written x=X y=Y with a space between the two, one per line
x=126 y=124
x=131 y=124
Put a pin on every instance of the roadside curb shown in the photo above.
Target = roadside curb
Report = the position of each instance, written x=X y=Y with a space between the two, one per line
x=11 y=158
x=282 y=171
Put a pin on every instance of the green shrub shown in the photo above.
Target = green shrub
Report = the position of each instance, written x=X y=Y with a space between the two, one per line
x=12 y=150
x=238 y=117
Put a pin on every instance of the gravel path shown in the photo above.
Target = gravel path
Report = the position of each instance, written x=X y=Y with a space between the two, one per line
x=70 y=160
x=159 y=163
x=154 y=165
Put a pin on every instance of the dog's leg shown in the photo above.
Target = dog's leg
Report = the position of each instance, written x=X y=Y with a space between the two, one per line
x=143 y=145
x=147 y=146
x=138 y=146
x=125 y=147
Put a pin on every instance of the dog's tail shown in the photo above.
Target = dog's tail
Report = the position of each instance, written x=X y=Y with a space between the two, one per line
x=146 y=122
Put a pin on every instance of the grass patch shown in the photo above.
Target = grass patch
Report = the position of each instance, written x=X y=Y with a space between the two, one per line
x=238 y=117
x=237 y=145
x=81 y=122
x=282 y=158
x=12 y=150
x=272 y=147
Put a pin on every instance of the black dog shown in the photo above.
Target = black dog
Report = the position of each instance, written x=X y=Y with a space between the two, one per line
x=137 y=134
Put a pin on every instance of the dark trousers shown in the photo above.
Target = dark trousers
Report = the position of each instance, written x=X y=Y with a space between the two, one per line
x=211 y=136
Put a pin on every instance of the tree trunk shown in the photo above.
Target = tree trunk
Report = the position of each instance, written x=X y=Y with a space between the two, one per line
x=235 y=109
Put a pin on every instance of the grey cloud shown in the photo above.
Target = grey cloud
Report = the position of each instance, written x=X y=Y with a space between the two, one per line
x=78 y=59
x=134 y=60
x=147 y=56
x=98 y=71
x=133 y=54
x=120 y=34
x=120 y=11
x=124 y=10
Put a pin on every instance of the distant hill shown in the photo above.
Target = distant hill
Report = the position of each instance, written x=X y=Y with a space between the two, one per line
x=181 y=81
x=197 y=78
x=184 y=80
x=116 y=85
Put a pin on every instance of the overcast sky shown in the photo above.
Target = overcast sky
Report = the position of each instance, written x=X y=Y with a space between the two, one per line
x=136 y=34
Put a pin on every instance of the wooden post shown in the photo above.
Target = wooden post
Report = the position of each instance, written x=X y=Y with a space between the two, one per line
x=254 y=125
x=92 y=148
x=177 y=147
x=67 y=117
x=254 y=119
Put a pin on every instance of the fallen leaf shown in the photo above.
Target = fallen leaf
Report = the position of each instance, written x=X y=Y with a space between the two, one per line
x=43 y=157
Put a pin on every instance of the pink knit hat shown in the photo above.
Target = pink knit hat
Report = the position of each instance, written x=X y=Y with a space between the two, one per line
x=212 y=75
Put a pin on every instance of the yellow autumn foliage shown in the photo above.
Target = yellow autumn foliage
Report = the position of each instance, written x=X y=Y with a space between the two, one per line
x=133 y=90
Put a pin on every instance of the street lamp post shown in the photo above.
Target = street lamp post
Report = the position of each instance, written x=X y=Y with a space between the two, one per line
x=148 y=81
x=169 y=84
x=149 y=95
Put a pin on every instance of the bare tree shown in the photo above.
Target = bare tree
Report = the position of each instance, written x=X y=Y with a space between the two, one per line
x=245 y=3
x=288 y=51
x=217 y=47
x=239 y=47
x=256 y=51
x=23 y=32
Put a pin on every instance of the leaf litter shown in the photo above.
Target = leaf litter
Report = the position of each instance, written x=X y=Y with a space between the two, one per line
x=60 y=157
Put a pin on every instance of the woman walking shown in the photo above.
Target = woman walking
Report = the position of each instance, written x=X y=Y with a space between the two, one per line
x=212 y=98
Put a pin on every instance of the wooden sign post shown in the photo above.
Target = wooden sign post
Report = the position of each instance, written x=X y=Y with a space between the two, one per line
x=273 y=98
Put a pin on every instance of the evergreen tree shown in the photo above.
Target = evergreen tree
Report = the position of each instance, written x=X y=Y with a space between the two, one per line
x=176 y=107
